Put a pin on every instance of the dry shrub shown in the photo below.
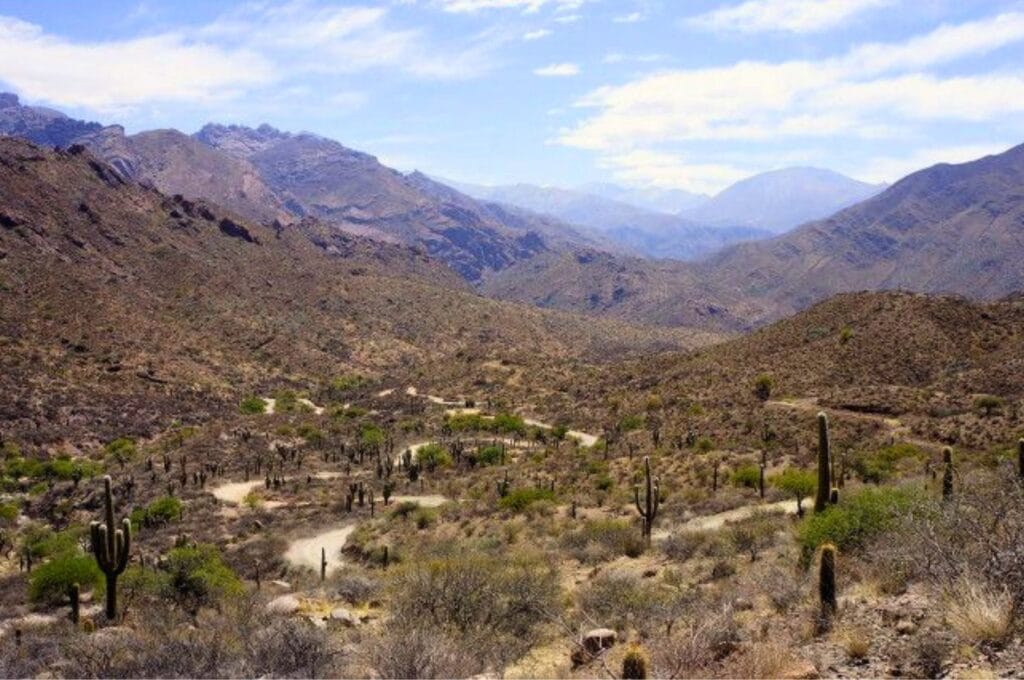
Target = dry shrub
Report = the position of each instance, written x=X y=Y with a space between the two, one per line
x=979 y=613
x=856 y=642
x=402 y=650
x=693 y=649
x=761 y=660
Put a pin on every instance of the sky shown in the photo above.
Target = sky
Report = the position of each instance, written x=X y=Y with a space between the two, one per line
x=681 y=94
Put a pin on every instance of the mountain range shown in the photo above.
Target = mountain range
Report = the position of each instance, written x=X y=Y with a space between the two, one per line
x=954 y=229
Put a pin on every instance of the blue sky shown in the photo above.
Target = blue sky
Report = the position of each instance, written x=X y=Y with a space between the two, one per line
x=667 y=93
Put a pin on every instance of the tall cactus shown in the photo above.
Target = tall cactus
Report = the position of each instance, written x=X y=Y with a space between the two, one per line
x=827 y=583
x=111 y=547
x=947 y=473
x=1020 y=459
x=652 y=499
x=824 y=471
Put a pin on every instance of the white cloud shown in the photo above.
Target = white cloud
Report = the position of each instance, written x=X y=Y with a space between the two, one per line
x=620 y=58
x=849 y=94
x=631 y=18
x=536 y=35
x=557 y=70
x=114 y=75
x=870 y=92
x=891 y=169
x=568 y=18
x=670 y=171
x=527 y=6
x=792 y=16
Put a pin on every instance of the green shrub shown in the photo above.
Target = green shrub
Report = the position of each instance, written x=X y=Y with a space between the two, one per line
x=251 y=406
x=747 y=476
x=371 y=435
x=65 y=468
x=122 y=450
x=521 y=499
x=796 y=482
x=467 y=422
x=50 y=582
x=42 y=541
x=8 y=513
x=404 y=509
x=631 y=422
x=763 y=386
x=489 y=455
x=198 y=577
x=861 y=516
x=424 y=517
x=506 y=423
x=880 y=466
x=433 y=456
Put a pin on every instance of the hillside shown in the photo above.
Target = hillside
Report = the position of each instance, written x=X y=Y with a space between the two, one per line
x=945 y=229
x=320 y=177
x=780 y=200
x=124 y=308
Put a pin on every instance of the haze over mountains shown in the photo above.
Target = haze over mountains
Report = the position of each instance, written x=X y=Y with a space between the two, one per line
x=945 y=229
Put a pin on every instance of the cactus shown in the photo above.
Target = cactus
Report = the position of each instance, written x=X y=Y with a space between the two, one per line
x=824 y=471
x=652 y=499
x=634 y=664
x=1020 y=459
x=323 y=563
x=111 y=548
x=386 y=558
x=760 y=479
x=833 y=496
x=827 y=583
x=947 y=473
x=503 y=486
x=74 y=598
x=258 y=581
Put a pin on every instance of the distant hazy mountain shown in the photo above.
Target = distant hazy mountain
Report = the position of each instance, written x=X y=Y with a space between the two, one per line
x=659 y=200
x=641 y=231
x=782 y=199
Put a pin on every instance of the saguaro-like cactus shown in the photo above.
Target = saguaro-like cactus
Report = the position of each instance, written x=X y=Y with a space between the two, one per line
x=827 y=583
x=323 y=563
x=74 y=599
x=652 y=499
x=1020 y=459
x=111 y=547
x=947 y=473
x=824 y=471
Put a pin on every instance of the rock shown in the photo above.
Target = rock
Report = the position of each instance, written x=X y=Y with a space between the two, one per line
x=285 y=604
x=906 y=627
x=283 y=585
x=800 y=670
x=742 y=604
x=344 y=616
x=599 y=638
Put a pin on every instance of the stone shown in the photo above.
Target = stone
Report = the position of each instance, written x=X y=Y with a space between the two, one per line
x=598 y=639
x=906 y=627
x=344 y=616
x=800 y=670
x=285 y=604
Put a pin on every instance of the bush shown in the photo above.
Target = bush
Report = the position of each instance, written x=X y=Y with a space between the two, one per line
x=163 y=510
x=371 y=435
x=489 y=455
x=796 y=482
x=631 y=422
x=506 y=423
x=988 y=404
x=433 y=456
x=51 y=581
x=763 y=386
x=747 y=476
x=882 y=464
x=603 y=539
x=862 y=516
x=122 y=450
x=251 y=406
x=197 y=577
x=521 y=499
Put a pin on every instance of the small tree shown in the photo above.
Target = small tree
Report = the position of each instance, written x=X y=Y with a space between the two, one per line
x=763 y=386
x=797 y=483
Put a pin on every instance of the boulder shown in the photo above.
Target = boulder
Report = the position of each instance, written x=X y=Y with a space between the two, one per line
x=285 y=604
x=598 y=639
x=344 y=616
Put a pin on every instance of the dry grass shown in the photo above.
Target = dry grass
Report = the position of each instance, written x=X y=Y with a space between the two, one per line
x=979 y=613
x=856 y=642
x=762 y=660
